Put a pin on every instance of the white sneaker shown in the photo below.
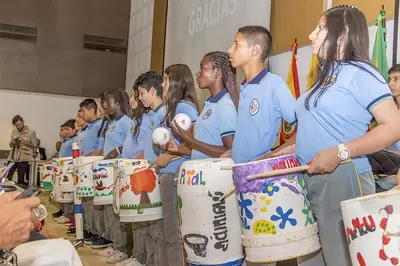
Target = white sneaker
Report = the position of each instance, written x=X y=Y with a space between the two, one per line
x=63 y=220
x=108 y=252
x=118 y=256
x=130 y=262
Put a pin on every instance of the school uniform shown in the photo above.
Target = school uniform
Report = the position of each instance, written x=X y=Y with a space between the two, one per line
x=171 y=249
x=263 y=103
x=66 y=151
x=133 y=146
x=341 y=114
x=115 y=137
x=152 y=231
x=217 y=120
x=88 y=142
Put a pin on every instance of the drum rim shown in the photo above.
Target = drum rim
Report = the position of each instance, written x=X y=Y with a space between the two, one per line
x=369 y=197
x=255 y=162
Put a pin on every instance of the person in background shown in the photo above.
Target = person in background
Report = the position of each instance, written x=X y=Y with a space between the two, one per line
x=59 y=213
x=133 y=148
x=394 y=85
x=180 y=97
x=23 y=141
x=150 y=95
x=66 y=151
x=57 y=153
x=88 y=144
x=120 y=112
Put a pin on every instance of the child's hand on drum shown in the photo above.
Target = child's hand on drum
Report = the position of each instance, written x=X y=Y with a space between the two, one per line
x=325 y=161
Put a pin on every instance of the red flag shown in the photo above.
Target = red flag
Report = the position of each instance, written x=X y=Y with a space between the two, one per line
x=293 y=83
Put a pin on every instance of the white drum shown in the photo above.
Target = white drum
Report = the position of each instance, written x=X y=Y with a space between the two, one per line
x=210 y=228
x=63 y=180
x=277 y=222
x=372 y=227
x=85 y=187
x=139 y=191
x=103 y=181
x=46 y=176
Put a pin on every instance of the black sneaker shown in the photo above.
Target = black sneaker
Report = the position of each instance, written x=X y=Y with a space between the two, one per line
x=90 y=239
x=71 y=232
x=58 y=214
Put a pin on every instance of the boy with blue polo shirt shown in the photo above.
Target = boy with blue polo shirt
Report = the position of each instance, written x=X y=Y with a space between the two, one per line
x=88 y=144
x=150 y=94
x=265 y=99
x=66 y=151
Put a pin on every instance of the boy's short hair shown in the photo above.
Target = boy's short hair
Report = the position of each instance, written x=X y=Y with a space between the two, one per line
x=69 y=123
x=258 y=35
x=394 y=69
x=16 y=119
x=88 y=104
x=150 y=79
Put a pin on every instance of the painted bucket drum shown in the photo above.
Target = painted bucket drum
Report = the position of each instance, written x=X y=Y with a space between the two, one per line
x=46 y=176
x=85 y=187
x=139 y=197
x=103 y=181
x=211 y=230
x=65 y=176
x=372 y=228
x=63 y=180
x=277 y=222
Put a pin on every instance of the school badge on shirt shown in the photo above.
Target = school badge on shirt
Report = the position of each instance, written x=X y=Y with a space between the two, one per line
x=254 y=107
x=329 y=82
x=151 y=124
x=131 y=129
x=112 y=128
x=207 y=114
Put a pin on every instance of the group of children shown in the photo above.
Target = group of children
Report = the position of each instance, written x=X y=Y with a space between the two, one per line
x=332 y=121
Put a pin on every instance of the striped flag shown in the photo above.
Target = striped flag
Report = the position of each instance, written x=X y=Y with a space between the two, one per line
x=293 y=83
x=312 y=73
x=379 y=57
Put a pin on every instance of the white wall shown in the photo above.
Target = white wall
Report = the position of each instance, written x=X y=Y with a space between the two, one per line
x=196 y=27
x=44 y=113
x=279 y=64
x=140 y=39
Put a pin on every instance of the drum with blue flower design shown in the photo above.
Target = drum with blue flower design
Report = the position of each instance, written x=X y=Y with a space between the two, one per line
x=277 y=222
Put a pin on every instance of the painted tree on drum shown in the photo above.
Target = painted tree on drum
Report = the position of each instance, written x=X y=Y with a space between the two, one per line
x=143 y=182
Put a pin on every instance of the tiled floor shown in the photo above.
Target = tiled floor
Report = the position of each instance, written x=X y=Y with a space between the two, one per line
x=88 y=255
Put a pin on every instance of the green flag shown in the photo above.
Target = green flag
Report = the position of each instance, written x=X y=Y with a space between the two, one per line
x=379 y=58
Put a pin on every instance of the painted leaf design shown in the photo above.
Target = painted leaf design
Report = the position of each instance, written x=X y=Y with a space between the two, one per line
x=180 y=203
x=263 y=209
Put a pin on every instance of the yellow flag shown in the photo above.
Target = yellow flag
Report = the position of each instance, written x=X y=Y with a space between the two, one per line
x=312 y=73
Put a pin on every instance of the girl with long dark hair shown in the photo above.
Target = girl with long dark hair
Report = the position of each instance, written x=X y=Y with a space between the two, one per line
x=333 y=119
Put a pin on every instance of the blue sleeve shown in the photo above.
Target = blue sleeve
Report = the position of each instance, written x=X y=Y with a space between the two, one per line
x=369 y=90
x=227 y=119
x=123 y=128
x=188 y=109
x=286 y=103
x=101 y=143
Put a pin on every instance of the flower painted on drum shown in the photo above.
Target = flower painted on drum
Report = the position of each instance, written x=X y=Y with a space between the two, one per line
x=269 y=188
x=284 y=216
x=245 y=212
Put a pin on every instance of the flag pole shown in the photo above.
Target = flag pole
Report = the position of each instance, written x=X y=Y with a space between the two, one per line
x=384 y=23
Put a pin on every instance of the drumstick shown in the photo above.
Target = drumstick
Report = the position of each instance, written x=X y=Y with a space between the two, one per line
x=144 y=169
x=301 y=168
x=84 y=164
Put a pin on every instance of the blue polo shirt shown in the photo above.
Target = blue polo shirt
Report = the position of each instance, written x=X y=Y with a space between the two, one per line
x=116 y=133
x=156 y=117
x=88 y=137
x=134 y=145
x=264 y=102
x=217 y=120
x=342 y=113
x=66 y=146
x=188 y=108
